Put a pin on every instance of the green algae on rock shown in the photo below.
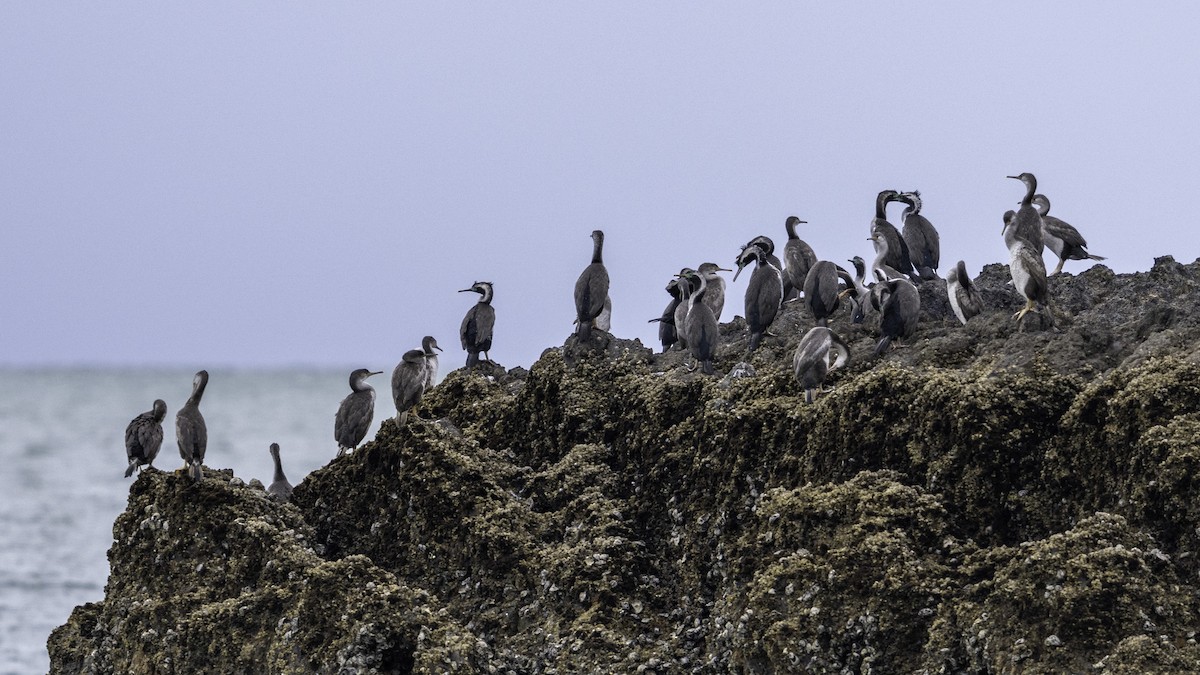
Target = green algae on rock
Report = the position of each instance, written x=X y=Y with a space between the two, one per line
x=990 y=498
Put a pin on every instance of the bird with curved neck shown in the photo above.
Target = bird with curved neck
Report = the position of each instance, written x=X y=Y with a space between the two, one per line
x=798 y=258
x=354 y=415
x=688 y=284
x=475 y=333
x=860 y=301
x=919 y=235
x=896 y=253
x=811 y=362
x=764 y=293
x=408 y=383
x=1026 y=267
x=768 y=248
x=965 y=299
x=714 y=291
x=143 y=437
x=428 y=344
x=279 y=489
x=701 y=326
x=591 y=289
x=1027 y=224
x=191 y=433
x=899 y=313
x=1061 y=237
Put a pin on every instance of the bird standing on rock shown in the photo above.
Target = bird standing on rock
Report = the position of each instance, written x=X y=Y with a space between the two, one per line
x=1027 y=224
x=924 y=248
x=798 y=258
x=143 y=437
x=899 y=313
x=1061 y=237
x=965 y=299
x=591 y=289
x=764 y=294
x=475 y=333
x=811 y=361
x=667 y=330
x=408 y=383
x=821 y=291
x=895 y=250
x=428 y=344
x=190 y=431
x=279 y=488
x=354 y=415
x=701 y=326
x=714 y=290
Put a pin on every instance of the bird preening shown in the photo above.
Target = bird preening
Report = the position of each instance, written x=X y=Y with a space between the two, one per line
x=887 y=288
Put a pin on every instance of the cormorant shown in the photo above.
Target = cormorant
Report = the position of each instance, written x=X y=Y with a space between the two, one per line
x=714 y=292
x=1061 y=237
x=428 y=344
x=964 y=297
x=1025 y=265
x=860 y=300
x=666 y=327
x=919 y=236
x=476 y=329
x=768 y=247
x=764 y=294
x=821 y=291
x=900 y=311
x=688 y=284
x=190 y=431
x=701 y=326
x=408 y=382
x=591 y=289
x=811 y=362
x=279 y=488
x=897 y=253
x=143 y=437
x=1027 y=224
x=798 y=258
x=354 y=415
x=883 y=253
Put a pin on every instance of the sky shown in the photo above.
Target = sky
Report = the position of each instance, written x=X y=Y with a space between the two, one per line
x=274 y=184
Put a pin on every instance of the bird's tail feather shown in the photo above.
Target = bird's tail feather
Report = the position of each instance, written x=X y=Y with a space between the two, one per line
x=883 y=345
x=197 y=473
x=133 y=464
x=1097 y=257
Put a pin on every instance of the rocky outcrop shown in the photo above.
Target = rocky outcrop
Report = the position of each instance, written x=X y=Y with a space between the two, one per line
x=988 y=498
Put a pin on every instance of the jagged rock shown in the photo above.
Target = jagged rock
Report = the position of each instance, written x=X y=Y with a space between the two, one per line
x=987 y=498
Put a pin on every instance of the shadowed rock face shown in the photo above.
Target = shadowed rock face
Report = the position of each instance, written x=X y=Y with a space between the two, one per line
x=990 y=498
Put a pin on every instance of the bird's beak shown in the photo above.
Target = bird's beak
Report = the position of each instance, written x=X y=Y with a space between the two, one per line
x=739 y=271
x=378 y=372
x=722 y=269
x=1014 y=177
x=437 y=348
x=466 y=290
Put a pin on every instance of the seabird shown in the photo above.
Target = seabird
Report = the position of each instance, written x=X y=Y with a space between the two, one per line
x=798 y=258
x=591 y=289
x=476 y=329
x=143 y=437
x=811 y=362
x=897 y=253
x=603 y=320
x=883 y=252
x=666 y=326
x=701 y=327
x=279 y=488
x=860 y=299
x=190 y=431
x=688 y=284
x=1027 y=224
x=764 y=293
x=355 y=413
x=821 y=291
x=428 y=344
x=408 y=382
x=768 y=247
x=900 y=311
x=964 y=297
x=1061 y=237
x=1028 y=273
x=714 y=291
x=919 y=236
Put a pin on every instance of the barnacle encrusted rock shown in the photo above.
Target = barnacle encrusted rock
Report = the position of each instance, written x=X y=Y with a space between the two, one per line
x=988 y=498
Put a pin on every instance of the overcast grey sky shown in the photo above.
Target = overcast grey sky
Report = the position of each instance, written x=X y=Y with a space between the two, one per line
x=273 y=184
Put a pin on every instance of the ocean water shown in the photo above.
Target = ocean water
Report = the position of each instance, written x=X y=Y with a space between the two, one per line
x=62 y=453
